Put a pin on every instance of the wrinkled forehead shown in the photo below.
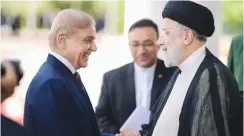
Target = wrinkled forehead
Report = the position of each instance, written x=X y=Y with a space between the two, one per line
x=88 y=32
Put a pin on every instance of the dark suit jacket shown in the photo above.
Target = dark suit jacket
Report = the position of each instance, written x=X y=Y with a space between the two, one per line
x=117 y=100
x=11 y=128
x=57 y=105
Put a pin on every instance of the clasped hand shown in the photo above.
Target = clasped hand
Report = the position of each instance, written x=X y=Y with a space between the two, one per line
x=128 y=132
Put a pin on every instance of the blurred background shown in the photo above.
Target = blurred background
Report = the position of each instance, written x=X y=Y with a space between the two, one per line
x=25 y=27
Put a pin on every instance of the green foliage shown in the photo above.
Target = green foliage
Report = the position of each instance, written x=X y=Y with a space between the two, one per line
x=22 y=7
x=232 y=11
x=232 y=16
x=60 y=4
x=16 y=8
x=90 y=7
x=120 y=26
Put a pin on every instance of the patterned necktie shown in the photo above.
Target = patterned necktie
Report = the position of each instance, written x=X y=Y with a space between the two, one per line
x=77 y=76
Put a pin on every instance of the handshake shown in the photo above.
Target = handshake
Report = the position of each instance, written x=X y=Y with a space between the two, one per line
x=128 y=132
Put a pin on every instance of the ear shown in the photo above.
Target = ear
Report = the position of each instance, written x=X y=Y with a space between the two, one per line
x=188 y=37
x=60 y=39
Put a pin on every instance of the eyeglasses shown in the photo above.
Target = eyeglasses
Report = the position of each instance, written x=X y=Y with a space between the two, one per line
x=146 y=45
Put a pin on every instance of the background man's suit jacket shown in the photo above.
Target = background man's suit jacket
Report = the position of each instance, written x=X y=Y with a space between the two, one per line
x=57 y=104
x=118 y=100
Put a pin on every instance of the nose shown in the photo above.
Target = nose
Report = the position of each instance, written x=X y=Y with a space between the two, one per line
x=93 y=47
x=141 y=50
x=161 y=41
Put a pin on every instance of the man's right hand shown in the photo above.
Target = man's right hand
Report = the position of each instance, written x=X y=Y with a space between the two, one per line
x=128 y=132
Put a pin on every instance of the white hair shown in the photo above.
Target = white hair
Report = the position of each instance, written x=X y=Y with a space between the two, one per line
x=67 y=22
x=200 y=37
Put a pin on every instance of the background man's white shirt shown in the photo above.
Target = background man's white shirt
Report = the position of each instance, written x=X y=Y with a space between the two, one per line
x=143 y=84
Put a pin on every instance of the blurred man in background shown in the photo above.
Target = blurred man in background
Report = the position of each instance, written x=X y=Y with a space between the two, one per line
x=11 y=74
x=3 y=18
x=136 y=84
x=15 y=24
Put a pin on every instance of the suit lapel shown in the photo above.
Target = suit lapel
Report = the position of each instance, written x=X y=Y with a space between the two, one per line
x=162 y=76
x=70 y=78
x=88 y=105
x=130 y=85
x=80 y=94
x=76 y=88
x=83 y=91
x=157 y=81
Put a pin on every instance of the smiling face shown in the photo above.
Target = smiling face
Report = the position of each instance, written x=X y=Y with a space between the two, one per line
x=79 y=46
x=72 y=35
x=143 y=46
x=172 y=43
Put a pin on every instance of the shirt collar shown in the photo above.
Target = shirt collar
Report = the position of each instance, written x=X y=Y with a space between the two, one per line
x=64 y=61
x=192 y=60
x=144 y=70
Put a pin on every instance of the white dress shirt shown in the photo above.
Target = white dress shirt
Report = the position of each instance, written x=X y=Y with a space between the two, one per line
x=143 y=84
x=64 y=61
x=168 y=121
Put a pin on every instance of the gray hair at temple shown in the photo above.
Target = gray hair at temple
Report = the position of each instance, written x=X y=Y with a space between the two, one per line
x=198 y=36
x=67 y=22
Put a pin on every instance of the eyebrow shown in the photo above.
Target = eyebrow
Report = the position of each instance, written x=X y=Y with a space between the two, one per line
x=148 y=40
x=165 y=29
x=135 y=41
x=90 y=37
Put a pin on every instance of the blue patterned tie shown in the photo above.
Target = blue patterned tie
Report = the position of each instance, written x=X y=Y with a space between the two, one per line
x=77 y=76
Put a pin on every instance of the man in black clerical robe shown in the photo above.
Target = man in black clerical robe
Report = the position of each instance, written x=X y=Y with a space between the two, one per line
x=202 y=98
x=211 y=98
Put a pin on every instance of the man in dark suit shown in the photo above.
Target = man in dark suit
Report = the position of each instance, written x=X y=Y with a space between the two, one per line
x=135 y=84
x=57 y=103
x=11 y=74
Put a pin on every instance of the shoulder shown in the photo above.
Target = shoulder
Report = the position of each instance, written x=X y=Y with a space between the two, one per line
x=216 y=67
x=53 y=84
x=45 y=74
x=219 y=66
x=238 y=38
x=237 y=43
x=119 y=72
x=47 y=88
x=161 y=66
